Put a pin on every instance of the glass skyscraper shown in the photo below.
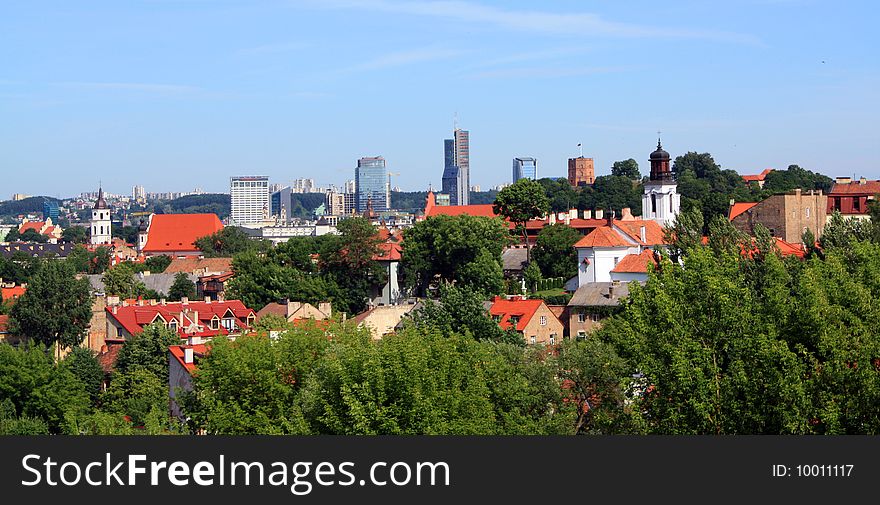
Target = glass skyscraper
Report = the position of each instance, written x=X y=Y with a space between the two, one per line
x=456 y=181
x=525 y=168
x=370 y=179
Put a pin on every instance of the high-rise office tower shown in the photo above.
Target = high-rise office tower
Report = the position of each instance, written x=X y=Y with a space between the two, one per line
x=456 y=179
x=525 y=168
x=370 y=180
x=281 y=204
x=250 y=199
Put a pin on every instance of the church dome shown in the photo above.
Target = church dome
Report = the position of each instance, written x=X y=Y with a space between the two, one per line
x=659 y=154
x=100 y=203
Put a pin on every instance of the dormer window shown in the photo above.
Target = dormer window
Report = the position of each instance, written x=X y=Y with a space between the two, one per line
x=215 y=323
x=173 y=325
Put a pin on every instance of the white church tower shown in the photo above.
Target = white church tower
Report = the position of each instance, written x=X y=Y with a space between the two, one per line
x=100 y=222
x=661 y=201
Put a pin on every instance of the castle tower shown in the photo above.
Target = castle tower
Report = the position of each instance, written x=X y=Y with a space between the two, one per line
x=661 y=201
x=100 y=222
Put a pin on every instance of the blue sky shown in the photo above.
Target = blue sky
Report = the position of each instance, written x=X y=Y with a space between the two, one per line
x=175 y=94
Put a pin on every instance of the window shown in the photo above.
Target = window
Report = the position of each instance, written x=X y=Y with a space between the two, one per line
x=173 y=325
x=616 y=259
x=553 y=339
x=533 y=339
x=653 y=203
x=857 y=204
x=671 y=204
x=215 y=323
x=543 y=320
x=582 y=317
x=582 y=335
x=836 y=203
x=595 y=317
x=807 y=210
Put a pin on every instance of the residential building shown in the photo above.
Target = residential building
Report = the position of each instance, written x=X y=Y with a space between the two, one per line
x=370 y=184
x=195 y=265
x=851 y=197
x=661 y=201
x=525 y=168
x=213 y=287
x=757 y=179
x=787 y=216
x=382 y=320
x=182 y=363
x=138 y=193
x=532 y=319
x=581 y=172
x=303 y=186
x=456 y=167
x=592 y=303
x=59 y=251
x=46 y=228
x=175 y=234
x=250 y=199
x=335 y=203
x=201 y=320
x=295 y=311
x=100 y=222
x=603 y=249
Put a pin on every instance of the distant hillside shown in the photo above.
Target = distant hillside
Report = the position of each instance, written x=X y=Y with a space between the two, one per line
x=217 y=203
x=32 y=204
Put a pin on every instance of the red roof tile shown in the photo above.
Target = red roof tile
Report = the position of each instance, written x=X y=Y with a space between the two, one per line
x=603 y=237
x=178 y=232
x=759 y=177
x=12 y=293
x=855 y=188
x=636 y=263
x=738 y=208
x=198 y=350
x=388 y=252
x=458 y=210
x=134 y=317
x=190 y=265
x=4 y=324
x=633 y=228
x=31 y=225
x=522 y=309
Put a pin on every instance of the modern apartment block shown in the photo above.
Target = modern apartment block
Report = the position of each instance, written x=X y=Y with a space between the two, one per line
x=371 y=179
x=250 y=199
x=525 y=168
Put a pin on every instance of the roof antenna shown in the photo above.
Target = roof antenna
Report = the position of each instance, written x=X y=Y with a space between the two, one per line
x=658 y=139
x=455 y=122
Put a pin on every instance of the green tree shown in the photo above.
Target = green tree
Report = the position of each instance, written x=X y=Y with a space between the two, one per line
x=55 y=309
x=436 y=250
x=520 y=202
x=83 y=364
x=461 y=311
x=120 y=281
x=148 y=350
x=348 y=261
x=561 y=195
x=626 y=168
x=138 y=394
x=13 y=235
x=75 y=234
x=554 y=251
x=795 y=177
x=227 y=242
x=182 y=287
x=31 y=235
x=685 y=234
x=259 y=280
x=613 y=193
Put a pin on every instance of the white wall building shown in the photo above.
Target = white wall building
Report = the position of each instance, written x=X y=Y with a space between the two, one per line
x=250 y=200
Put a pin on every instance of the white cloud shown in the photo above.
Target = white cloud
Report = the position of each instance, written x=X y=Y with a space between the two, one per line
x=401 y=58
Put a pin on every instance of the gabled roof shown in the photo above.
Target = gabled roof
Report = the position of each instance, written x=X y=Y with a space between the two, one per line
x=759 y=177
x=597 y=294
x=199 y=350
x=789 y=249
x=636 y=263
x=178 y=232
x=485 y=210
x=738 y=208
x=190 y=265
x=134 y=317
x=602 y=237
x=633 y=228
x=31 y=225
x=517 y=307
x=388 y=251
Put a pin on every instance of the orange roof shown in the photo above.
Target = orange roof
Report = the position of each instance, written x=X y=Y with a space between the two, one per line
x=789 y=249
x=198 y=351
x=636 y=263
x=516 y=307
x=633 y=228
x=485 y=210
x=759 y=177
x=856 y=188
x=388 y=252
x=12 y=293
x=738 y=208
x=31 y=225
x=189 y=265
x=603 y=237
x=4 y=324
x=178 y=232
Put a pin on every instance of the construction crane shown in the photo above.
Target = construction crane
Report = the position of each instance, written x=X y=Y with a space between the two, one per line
x=388 y=190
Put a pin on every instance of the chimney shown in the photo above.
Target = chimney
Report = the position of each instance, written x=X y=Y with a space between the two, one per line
x=588 y=214
x=567 y=217
x=162 y=302
x=610 y=218
x=797 y=192
x=152 y=302
x=115 y=309
x=626 y=214
x=140 y=302
x=642 y=233
x=572 y=213
x=552 y=218
x=220 y=297
x=207 y=299
x=184 y=300
x=862 y=180
x=187 y=355
x=600 y=213
x=611 y=291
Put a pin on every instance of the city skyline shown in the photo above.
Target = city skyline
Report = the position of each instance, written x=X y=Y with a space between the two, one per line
x=180 y=94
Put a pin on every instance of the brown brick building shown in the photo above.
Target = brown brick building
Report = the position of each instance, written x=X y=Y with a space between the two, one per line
x=580 y=171
x=786 y=216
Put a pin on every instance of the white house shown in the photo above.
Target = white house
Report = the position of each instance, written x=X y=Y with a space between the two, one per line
x=620 y=250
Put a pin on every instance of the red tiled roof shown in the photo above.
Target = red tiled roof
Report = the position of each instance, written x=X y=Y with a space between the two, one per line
x=31 y=225
x=107 y=358
x=603 y=237
x=178 y=232
x=523 y=309
x=388 y=252
x=738 y=208
x=855 y=188
x=4 y=324
x=12 y=293
x=759 y=177
x=458 y=210
x=636 y=263
x=189 y=265
x=789 y=249
x=134 y=317
x=633 y=228
x=198 y=350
